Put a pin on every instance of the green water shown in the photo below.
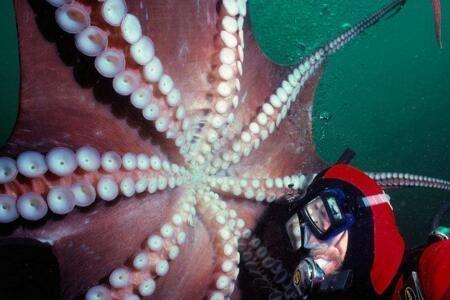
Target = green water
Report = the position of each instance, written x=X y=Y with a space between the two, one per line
x=386 y=95
x=9 y=71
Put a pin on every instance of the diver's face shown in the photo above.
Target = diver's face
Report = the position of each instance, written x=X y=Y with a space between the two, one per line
x=331 y=256
x=318 y=213
x=328 y=254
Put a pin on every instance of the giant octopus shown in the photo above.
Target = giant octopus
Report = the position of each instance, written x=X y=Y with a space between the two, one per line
x=151 y=137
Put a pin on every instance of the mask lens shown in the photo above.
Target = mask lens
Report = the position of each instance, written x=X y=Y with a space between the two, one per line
x=294 y=231
x=318 y=214
x=334 y=208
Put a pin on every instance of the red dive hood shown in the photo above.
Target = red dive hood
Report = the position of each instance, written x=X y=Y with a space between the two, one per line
x=388 y=244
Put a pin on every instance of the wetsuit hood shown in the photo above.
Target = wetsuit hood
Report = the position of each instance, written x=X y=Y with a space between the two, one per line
x=375 y=248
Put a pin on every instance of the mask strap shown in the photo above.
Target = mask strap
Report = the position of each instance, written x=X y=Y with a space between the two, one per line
x=376 y=200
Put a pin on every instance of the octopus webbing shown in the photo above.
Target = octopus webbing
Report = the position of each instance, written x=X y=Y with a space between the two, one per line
x=143 y=152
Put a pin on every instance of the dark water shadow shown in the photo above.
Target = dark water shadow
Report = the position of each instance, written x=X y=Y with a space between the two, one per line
x=260 y=283
x=29 y=270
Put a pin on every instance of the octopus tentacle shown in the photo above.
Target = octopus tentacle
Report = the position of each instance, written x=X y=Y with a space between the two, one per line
x=267 y=272
x=274 y=110
x=270 y=115
x=227 y=68
x=152 y=261
x=388 y=180
x=228 y=227
x=437 y=21
x=67 y=179
x=102 y=30
x=258 y=189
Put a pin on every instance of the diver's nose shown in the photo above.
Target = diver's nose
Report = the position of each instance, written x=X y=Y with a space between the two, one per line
x=311 y=242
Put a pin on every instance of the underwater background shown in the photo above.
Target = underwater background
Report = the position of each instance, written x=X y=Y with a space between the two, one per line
x=386 y=95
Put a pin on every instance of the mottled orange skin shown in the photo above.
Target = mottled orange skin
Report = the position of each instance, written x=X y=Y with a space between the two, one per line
x=437 y=21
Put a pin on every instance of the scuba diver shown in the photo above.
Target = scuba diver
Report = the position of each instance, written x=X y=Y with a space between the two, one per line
x=351 y=244
x=347 y=244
